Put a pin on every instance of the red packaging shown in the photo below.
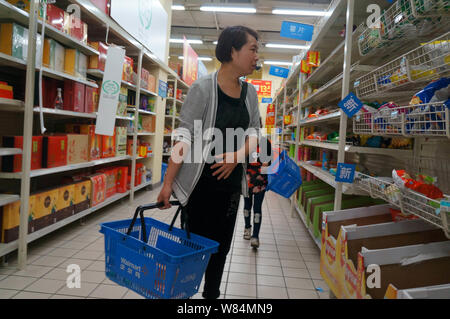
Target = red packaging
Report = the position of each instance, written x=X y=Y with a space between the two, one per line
x=98 y=62
x=103 y=5
x=78 y=29
x=98 y=189
x=13 y=163
x=130 y=147
x=54 y=151
x=138 y=175
x=127 y=74
x=144 y=77
x=55 y=17
x=49 y=92
x=179 y=94
x=111 y=178
x=121 y=180
x=74 y=94
x=91 y=99
x=108 y=145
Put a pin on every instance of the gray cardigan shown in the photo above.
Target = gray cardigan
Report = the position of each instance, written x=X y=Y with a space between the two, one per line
x=201 y=104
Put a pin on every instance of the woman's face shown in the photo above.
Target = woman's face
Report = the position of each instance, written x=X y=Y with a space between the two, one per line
x=245 y=59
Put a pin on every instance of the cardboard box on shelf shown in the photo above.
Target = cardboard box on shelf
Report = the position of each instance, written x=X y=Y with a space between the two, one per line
x=111 y=179
x=13 y=163
x=75 y=63
x=14 y=40
x=130 y=147
x=78 y=29
x=77 y=148
x=108 y=145
x=91 y=99
x=65 y=202
x=151 y=83
x=144 y=78
x=331 y=225
x=98 y=189
x=121 y=141
x=98 y=61
x=53 y=55
x=82 y=196
x=95 y=141
x=123 y=102
x=148 y=123
x=11 y=220
x=54 y=151
x=138 y=175
x=127 y=74
x=387 y=246
x=45 y=208
x=121 y=181
x=74 y=96
x=55 y=17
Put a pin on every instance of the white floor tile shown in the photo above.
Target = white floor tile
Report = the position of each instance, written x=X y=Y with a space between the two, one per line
x=49 y=286
x=274 y=281
x=109 y=292
x=31 y=295
x=302 y=294
x=8 y=293
x=33 y=271
x=241 y=290
x=16 y=282
x=267 y=292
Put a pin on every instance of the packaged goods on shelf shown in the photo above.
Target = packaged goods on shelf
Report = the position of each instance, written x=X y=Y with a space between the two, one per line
x=170 y=90
x=54 y=151
x=14 y=41
x=45 y=208
x=91 y=99
x=56 y=17
x=144 y=77
x=313 y=59
x=123 y=102
x=143 y=104
x=6 y=91
x=95 y=141
x=78 y=29
x=74 y=96
x=151 y=83
x=98 y=187
x=127 y=74
x=65 y=202
x=305 y=67
x=53 y=55
x=108 y=146
x=11 y=220
x=138 y=175
x=75 y=63
x=151 y=104
x=110 y=181
x=77 y=148
x=422 y=184
x=98 y=62
x=121 y=141
x=13 y=163
x=103 y=5
x=82 y=195
x=121 y=180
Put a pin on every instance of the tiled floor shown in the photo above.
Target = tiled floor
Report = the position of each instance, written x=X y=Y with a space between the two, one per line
x=285 y=266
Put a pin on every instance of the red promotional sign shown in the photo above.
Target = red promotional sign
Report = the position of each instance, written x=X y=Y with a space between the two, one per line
x=190 y=63
x=264 y=88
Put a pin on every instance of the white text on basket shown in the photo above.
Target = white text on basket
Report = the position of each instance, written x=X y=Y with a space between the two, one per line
x=74 y=279
x=194 y=309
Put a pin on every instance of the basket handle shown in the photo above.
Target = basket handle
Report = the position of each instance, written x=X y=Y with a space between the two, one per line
x=184 y=225
x=140 y=210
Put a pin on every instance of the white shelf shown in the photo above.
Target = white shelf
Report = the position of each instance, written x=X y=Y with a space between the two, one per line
x=139 y=157
x=64 y=113
x=7 y=60
x=147 y=92
x=95 y=73
x=142 y=185
x=13 y=104
x=10 y=247
x=9 y=151
x=146 y=112
x=361 y=150
x=177 y=100
x=59 y=169
x=6 y=199
x=129 y=85
x=166 y=154
x=321 y=119
x=61 y=76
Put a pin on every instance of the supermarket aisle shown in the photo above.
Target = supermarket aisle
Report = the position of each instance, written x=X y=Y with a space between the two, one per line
x=285 y=266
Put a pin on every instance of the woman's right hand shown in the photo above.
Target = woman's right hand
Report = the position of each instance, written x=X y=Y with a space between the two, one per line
x=164 y=196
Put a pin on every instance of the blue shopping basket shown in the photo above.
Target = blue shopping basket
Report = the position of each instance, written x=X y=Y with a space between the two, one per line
x=284 y=176
x=168 y=264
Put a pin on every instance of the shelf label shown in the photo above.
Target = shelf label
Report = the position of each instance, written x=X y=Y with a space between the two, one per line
x=280 y=72
x=109 y=91
x=298 y=31
x=345 y=173
x=351 y=105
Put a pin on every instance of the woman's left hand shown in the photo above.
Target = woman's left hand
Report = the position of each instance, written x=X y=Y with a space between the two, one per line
x=226 y=163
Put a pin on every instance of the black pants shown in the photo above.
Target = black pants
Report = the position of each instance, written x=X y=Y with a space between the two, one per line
x=212 y=214
x=257 y=211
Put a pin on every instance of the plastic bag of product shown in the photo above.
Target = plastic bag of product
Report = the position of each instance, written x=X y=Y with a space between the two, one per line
x=436 y=91
x=318 y=136
x=403 y=180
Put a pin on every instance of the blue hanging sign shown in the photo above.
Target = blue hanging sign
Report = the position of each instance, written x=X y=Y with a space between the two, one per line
x=298 y=31
x=162 y=89
x=351 y=105
x=345 y=173
x=280 y=72
x=266 y=100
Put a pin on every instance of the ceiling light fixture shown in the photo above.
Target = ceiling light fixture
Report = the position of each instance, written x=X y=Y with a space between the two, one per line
x=188 y=41
x=201 y=58
x=287 y=46
x=178 y=7
x=300 y=12
x=277 y=62
x=228 y=9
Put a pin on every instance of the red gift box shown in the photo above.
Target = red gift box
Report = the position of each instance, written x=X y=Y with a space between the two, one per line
x=13 y=163
x=108 y=145
x=91 y=99
x=121 y=180
x=179 y=94
x=138 y=175
x=98 y=62
x=111 y=179
x=74 y=94
x=55 y=17
x=54 y=151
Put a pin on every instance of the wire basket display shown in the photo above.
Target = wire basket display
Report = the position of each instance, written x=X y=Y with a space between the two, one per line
x=428 y=120
x=403 y=21
x=429 y=61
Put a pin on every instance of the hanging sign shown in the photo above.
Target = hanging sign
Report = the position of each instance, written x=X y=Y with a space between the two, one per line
x=305 y=67
x=109 y=92
x=162 y=89
x=190 y=63
x=280 y=72
x=295 y=30
x=266 y=100
x=313 y=58
x=345 y=173
x=263 y=88
x=350 y=105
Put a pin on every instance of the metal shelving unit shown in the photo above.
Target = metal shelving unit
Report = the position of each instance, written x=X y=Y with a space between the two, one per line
x=100 y=25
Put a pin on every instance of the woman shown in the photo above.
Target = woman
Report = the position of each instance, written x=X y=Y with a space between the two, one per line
x=257 y=184
x=210 y=188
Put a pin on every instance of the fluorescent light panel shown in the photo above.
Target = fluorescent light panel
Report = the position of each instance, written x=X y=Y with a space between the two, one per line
x=300 y=12
x=287 y=46
x=201 y=58
x=277 y=62
x=178 y=7
x=228 y=9
x=188 y=41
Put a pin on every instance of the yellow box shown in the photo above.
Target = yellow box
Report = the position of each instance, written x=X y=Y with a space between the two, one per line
x=65 y=197
x=14 y=40
x=46 y=203
x=71 y=61
x=11 y=213
x=82 y=192
x=53 y=55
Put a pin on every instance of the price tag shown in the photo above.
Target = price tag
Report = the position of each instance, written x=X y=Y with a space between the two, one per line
x=394 y=115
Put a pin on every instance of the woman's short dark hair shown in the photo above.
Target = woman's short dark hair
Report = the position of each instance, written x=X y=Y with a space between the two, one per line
x=232 y=37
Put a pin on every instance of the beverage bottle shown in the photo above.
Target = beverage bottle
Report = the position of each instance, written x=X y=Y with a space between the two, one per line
x=59 y=99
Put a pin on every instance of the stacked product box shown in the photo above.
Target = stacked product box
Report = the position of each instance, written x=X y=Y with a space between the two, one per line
x=13 y=163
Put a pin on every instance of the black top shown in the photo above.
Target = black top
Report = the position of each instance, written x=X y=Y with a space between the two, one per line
x=231 y=113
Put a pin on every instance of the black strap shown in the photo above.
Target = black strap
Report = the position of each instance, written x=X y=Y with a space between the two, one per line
x=243 y=93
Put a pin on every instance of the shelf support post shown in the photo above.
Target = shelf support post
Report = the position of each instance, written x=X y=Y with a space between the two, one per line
x=345 y=92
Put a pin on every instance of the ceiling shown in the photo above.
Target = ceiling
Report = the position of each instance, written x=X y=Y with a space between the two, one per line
x=196 y=24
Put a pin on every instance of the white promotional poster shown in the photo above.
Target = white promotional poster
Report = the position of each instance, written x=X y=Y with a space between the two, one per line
x=109 y=92
x=146 y=20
